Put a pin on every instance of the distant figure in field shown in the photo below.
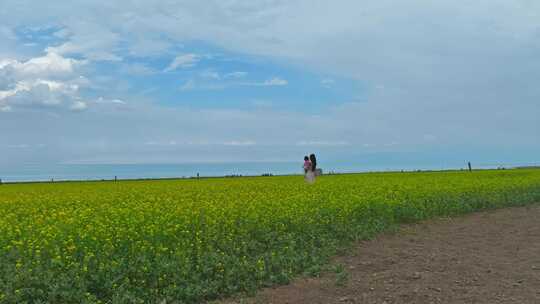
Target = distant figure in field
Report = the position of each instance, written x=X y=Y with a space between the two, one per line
x=309 y=177
x=307 y=164
x=316 y=171
x=313 y=162
x=310 y=168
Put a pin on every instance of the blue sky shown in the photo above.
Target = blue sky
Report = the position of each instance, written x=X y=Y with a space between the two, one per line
x=158 y=81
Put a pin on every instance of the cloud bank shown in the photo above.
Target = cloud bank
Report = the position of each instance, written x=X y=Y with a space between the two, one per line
x=435 y=75
x=48 y=80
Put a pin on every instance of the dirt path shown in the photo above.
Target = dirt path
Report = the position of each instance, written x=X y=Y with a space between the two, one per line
x=489 y=257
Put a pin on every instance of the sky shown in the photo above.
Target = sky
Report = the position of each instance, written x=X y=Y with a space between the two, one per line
x=269 y=80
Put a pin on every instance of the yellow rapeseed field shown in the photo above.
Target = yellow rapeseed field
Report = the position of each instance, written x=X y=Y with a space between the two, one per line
x=185 y=241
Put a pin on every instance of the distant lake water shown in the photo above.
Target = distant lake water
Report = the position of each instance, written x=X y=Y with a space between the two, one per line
x=136 y=171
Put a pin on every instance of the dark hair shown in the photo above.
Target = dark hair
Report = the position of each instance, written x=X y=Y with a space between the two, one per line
x=313 y=162
x=306 y=158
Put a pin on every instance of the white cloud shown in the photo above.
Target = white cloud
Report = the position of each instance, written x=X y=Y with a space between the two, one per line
x=137 y=69
x=55 y=86
x=79 y=106
x=191 y=84
x=62 y=33
x=48 y=80
x=7 y=62
x=183 y=61
x=210 y=81
x=94 y=40
x=43 y=88
x=327 y=82
x=276 y=81
x=19 y=146
x=102 y=100
x=240 y=143
x=323 y=143
x=237 y=74
x=40 y=92
x=5 y=108
x=25 y=146
x=7 y=33
x=188 y=85
x=51 y=64
x=210 y=74
x=95 y=55
x=8 y=93
x=262 y=103
x=148 y=46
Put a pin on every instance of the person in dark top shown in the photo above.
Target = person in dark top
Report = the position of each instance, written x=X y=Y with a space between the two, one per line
x=313 y=160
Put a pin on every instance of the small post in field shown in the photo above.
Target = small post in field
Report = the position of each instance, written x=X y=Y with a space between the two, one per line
x=470 y=167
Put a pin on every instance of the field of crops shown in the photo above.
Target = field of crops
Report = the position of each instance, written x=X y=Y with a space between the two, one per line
x=185 y=241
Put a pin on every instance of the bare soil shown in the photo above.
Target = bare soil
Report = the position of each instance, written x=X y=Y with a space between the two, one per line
x=487 y=257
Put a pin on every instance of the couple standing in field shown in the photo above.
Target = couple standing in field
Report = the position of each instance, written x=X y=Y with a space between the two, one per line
x=310 y=168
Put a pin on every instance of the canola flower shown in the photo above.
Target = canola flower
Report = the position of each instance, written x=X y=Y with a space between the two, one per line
x=187 y=241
